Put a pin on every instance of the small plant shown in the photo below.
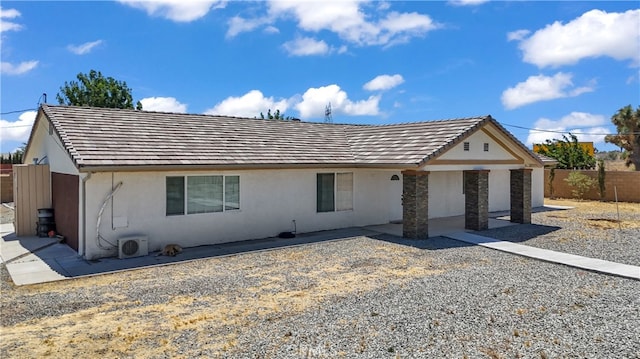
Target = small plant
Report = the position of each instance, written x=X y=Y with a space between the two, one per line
x=601 y=179
x=581 y=183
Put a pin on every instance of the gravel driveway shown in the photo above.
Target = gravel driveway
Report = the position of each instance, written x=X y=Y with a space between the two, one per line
x=362 y=297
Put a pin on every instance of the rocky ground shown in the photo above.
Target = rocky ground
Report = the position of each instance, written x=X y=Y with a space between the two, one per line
x=364 y=297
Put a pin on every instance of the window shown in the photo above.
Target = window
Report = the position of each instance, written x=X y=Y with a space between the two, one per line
x=466 y=146
x=334 y=192
x=486 y=147
x=202 y=194
x=175 y=195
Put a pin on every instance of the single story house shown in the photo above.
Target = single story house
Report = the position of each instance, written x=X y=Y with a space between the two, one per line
x=200 y=179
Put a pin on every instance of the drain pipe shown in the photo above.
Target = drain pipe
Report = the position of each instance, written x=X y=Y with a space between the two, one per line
x=82 y=246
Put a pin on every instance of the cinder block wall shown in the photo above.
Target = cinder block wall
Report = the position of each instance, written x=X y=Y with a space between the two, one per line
x=626 y=183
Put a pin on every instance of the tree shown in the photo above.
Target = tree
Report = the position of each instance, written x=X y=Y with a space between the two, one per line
x=568 y=152
x=627 y=122
x=95 y=90
x=276 y=116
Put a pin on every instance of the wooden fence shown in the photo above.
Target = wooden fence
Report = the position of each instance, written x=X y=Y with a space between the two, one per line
x=627 y=184
x=32 y=190
x=6 y=188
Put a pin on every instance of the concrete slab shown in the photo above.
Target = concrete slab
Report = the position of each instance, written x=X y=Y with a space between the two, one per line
x=12 y=247
x=33 y=272
x=592 y=264
x=6 y=228
x=439 y=226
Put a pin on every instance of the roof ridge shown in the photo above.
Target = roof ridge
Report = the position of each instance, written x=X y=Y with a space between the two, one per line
x=206 y=115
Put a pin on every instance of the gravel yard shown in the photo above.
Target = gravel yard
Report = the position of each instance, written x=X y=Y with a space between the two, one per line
x=591 y=230
x=355 y=298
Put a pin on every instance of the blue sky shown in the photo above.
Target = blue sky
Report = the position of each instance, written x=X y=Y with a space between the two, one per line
x=556 y=66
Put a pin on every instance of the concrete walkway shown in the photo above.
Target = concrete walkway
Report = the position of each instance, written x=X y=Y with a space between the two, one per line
x=592 y=264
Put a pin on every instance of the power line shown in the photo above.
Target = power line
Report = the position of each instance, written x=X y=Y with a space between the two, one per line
x=10 y=112
x=564 y=132
x=16 y=126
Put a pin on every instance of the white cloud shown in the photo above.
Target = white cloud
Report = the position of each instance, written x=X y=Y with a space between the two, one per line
x=306 y=46
x=587 y=128
x=6 y=25
x=271 y=30
x=18 y=130
x=348 y=19
x=176 y=10
x=315 y=100
x=84 y=48
x=239 y=25
x=163 y=104
x=467 y=2
x=248 y=105
x=383 y=82
x=517 y=35
x=19 y=69
x=594 y=34
x=541 y=88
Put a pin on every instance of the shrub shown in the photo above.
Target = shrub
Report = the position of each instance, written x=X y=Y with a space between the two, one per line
x=601 y=178
x=581 y=183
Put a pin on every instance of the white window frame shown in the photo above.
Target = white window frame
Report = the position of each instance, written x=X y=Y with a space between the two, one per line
x=185 y=194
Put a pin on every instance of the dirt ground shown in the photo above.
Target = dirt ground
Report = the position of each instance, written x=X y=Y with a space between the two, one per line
x=6 y=214
x=597 y=214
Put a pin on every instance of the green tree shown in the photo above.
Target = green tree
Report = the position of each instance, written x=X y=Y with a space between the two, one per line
x=275 y=116
x=627 y=122
x=568 y=152
x=95 y=90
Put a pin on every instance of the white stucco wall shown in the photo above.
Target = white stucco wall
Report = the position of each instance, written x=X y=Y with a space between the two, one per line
x=43 y=144
x=537 y=187
x=445 y=194
x=476 y=149
x=269 y=201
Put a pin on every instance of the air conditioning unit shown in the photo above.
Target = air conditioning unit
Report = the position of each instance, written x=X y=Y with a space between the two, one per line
x=132 y=247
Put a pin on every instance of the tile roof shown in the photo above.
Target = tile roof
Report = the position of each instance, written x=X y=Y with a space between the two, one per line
x=101 y=137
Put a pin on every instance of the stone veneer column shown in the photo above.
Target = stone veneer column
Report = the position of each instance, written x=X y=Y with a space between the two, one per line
x=476 y=199
x=521 y=195
x=415 y=209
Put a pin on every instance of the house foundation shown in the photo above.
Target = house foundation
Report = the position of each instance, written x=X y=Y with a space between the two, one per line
x=476 y=199
x=415 y=209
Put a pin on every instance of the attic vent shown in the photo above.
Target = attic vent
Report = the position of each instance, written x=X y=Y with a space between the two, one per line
x=466 y=146
x=50 y=129
x=395 y=178
x=486 y=147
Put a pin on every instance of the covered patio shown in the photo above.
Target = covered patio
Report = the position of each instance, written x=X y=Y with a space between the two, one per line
x=446 y=225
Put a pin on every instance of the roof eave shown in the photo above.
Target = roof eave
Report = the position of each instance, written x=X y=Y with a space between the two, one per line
x=238 y=167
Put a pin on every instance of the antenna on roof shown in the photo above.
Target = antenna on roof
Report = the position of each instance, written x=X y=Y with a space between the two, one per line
x=328 y=118
x=43 y=97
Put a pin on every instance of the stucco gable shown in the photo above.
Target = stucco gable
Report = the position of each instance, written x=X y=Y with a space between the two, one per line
x=489 y=144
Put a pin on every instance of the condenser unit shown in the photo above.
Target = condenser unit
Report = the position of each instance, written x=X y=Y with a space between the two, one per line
x=132 y=247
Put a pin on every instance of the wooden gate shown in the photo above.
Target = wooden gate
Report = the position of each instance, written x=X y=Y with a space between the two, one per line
x=65 y=193
x=31 y=190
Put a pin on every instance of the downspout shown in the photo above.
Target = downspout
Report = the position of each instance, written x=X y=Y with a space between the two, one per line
x=82 y=246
